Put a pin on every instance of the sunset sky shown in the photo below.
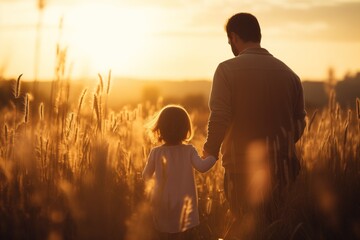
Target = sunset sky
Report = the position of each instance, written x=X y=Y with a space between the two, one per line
x=175 y=39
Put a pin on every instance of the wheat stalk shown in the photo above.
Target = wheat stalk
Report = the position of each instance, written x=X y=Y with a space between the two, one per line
x=312 y=119
x=80 y=104
x=97 y=110
x=69 y=127
x=76 y=135
x=101 y=83
x=41 y=111
x=107 y=94
x=18 y=86
x=358 y=108
x=26 y=115
x=108 y=84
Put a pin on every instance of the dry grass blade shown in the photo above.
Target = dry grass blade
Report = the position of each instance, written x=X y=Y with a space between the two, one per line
x=6 y=132
x=18 y=86
x=295 y=231
x=76 y=135
x=101 y=83
x=108 y=84
x=26 y=117
x=358 y=108
x=80 y=104
x=69 y=127
x=346 y=133
x=97 y=110
x=41 y=111
x=312 y=119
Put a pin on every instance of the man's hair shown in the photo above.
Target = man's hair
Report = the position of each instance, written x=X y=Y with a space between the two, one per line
x=246 y=26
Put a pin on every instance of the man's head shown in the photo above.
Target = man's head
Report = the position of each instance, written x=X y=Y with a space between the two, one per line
x=245 y=28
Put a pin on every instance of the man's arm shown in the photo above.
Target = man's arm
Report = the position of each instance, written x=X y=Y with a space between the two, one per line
x=220 y=112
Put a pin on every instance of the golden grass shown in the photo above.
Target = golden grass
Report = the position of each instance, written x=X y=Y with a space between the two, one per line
x=74 y=173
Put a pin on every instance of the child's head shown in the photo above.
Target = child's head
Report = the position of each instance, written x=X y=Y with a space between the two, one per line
x=172 y=125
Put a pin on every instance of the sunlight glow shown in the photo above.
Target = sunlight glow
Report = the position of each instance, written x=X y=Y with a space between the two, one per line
x=258 y=173
x=100 y=35
x=172 y=40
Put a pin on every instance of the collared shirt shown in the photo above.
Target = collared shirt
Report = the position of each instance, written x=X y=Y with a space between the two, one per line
x=254 y=96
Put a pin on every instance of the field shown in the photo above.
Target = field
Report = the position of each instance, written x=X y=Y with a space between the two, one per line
x=73 y=171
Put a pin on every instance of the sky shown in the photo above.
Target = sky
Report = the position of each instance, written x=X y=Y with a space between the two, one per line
x=172 y=40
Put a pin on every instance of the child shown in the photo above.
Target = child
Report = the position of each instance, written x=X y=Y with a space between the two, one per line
x=174 y=196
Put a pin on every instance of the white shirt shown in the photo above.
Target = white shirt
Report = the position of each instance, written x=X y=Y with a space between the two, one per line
x=174 y=196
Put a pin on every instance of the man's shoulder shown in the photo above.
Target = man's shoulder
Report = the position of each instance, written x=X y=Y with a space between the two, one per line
x=227 y=61
x=248 y=55
x=258 y=63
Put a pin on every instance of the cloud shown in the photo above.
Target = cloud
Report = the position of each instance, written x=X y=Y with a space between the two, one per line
x=337 y=22
x=330 y=20
x=135 y=3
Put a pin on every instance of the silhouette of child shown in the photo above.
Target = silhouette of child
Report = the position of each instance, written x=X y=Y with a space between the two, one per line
x=174 y=196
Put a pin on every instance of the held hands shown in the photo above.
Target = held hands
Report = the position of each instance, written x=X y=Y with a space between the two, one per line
x=205 y=154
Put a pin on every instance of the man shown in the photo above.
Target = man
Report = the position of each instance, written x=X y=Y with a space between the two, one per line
x=256 y=116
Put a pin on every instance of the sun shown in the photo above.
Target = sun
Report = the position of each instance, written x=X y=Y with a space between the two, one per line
x=102 y=36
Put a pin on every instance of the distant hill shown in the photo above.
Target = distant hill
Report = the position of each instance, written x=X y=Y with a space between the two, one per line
x=132 y=91
x=122 y=91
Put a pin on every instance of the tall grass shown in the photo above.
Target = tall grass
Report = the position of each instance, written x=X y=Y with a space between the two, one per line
x=75 y=174
x=68 y=178
x=72 y=171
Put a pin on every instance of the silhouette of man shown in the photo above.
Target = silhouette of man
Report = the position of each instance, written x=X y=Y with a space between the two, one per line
x=256 y=116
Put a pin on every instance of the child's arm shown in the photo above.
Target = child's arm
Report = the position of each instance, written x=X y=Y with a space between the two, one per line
x=202 y=165
x=149 y=168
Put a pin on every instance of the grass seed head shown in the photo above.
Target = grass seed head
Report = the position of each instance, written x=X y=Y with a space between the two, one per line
x=101 y=83
x=108 y=84
x=41 y=111
x=18 y=86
